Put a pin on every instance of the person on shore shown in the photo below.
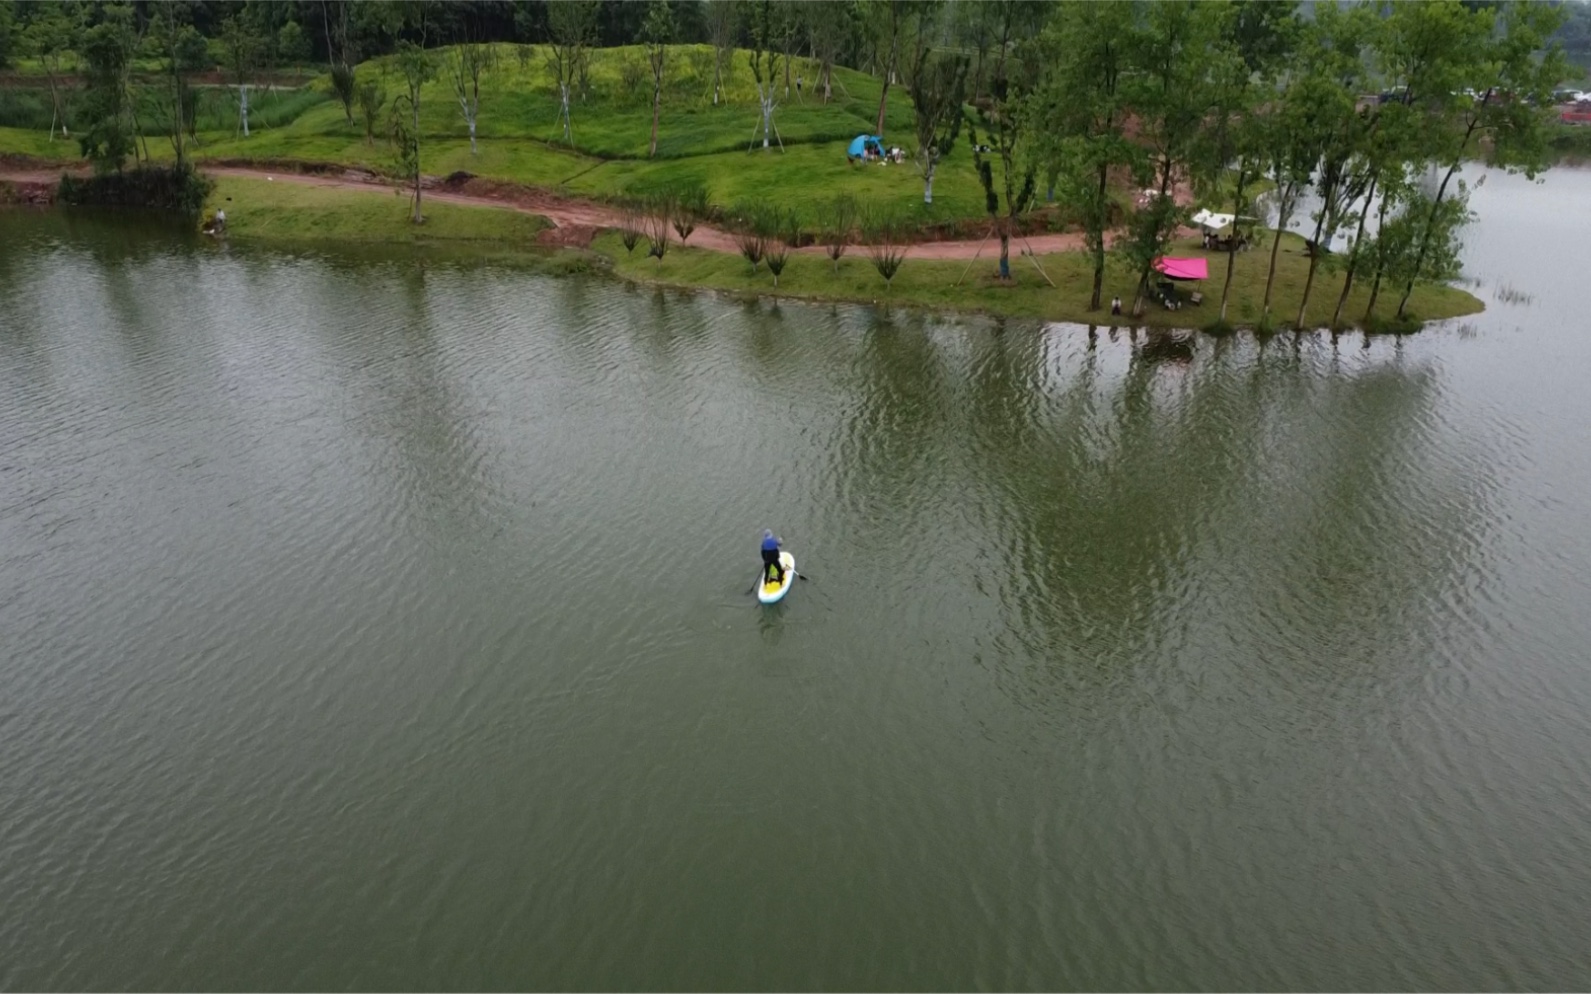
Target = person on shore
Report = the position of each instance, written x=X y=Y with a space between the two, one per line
x=772 y=571
x=1115 y=305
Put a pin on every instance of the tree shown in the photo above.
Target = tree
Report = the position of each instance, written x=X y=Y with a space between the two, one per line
x=831 y=29
x=468 y=61
x=764 y=61
x=838 y=226
x=8 y=38
x=1078 y=111
x=340 y=54
x=244 y=48
x=48 y=37
x=415 y=63
x=170 y=26
x=723 y=25
x=1509 y=85
x=885 y=244
x=784 y=234
x=1002 y=120
x=107 y=53
x=659 y=226
x=656 y=33
x=1244 y=68
x=1335 y=75
x=292 y=45
x=1171 y=93
x=889 y=21
x=751 y=235
x=572 y=25
x=938 y=87
x=1396 y=245
x=372 y=97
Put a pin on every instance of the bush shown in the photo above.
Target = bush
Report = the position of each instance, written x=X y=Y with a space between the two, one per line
x=1219 y=328
x=161 y=187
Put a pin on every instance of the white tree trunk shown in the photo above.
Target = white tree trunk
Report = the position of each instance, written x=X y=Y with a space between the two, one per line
x=243 y=106
x=469 y=119
x=564 y=89
x=928 y=181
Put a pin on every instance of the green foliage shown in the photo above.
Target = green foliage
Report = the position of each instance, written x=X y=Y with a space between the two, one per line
x=171 y=188
x=8 y=35
x=372 y=98
x=345 y=86
x=292 y=45
x=837 y=226
x=107 y=52
x=784 y=234
x=884 y=234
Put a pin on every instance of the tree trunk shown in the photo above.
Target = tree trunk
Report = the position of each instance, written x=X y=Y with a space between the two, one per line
x=718 y=75
x=1231 y=251
x=657 y=108
x=1314 y=256
x=1441 y=191
x=243 y=105
x=473 y=149
x=55 y=109
x=415 y=103
x=767 y=111
x=1005 y=254
x=1098 y=245
x=1270 y=275
x=1375 y=285
x=1353 y=255
x=928 y=179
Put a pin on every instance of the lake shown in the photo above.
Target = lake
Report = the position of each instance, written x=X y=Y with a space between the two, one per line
x=382 y=621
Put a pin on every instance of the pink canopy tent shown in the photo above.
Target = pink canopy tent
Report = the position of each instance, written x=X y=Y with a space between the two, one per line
x=1183 y=269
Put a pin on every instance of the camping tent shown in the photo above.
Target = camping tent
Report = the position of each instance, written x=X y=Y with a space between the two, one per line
x=859 y=145
x=1183 y=268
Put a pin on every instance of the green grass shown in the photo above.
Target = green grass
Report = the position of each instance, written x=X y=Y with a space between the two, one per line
x=932 y=284
x=257 y=208
x=520 y=142
x=37 y=144
x=520 y=138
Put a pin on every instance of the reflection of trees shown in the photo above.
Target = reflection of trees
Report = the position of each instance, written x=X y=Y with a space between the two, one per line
x=411 y=396
x=1288 y=491
x=895 y=438
x=1303 y=506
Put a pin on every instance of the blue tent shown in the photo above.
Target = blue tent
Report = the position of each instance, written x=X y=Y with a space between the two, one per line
x=859 y=145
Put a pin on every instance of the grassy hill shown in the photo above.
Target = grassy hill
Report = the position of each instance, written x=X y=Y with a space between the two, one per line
x=521 y=140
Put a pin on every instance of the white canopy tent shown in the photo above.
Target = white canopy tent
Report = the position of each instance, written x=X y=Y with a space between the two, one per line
x=1214 y=222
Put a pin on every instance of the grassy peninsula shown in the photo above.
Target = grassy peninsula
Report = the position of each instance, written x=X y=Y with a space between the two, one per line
x=745 y=111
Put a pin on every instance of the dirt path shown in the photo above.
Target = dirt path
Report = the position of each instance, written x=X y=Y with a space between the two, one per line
x=576 y=221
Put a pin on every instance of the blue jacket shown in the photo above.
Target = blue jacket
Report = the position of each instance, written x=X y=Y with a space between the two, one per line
x=769 y=543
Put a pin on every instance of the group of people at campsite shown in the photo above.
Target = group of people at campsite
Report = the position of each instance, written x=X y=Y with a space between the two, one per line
x=870 y=148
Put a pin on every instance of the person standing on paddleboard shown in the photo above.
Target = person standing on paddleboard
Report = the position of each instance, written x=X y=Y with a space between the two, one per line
x=770 y=557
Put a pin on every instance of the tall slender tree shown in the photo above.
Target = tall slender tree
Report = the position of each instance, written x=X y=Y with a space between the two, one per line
x=1511 y=73
x=468 y=61
x=1172 y=95
x=656 y=33
x=938 y=87
x=418 y=68
x=723 y=26
x=1078 y=111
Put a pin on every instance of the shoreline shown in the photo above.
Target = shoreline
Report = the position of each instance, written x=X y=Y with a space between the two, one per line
x=570 y=235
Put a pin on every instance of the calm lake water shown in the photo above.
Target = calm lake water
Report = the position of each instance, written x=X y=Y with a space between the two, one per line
x=383 y=623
